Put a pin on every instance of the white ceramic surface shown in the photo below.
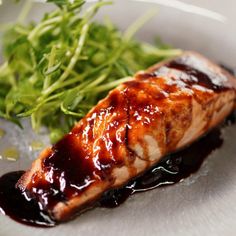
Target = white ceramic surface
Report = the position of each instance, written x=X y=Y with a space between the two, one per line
x=203 y=204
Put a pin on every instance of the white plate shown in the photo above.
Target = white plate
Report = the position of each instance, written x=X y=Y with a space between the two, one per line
x=203 y=204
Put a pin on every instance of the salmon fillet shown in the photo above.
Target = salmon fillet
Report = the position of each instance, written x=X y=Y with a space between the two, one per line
x=159 y=111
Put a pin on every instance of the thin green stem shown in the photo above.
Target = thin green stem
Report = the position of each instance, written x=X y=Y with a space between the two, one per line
x=25 y=11
x=108 y=86
x=51 y=62
x=73 y=60
x=161 y=52
x=138 y=24
x=40 y=26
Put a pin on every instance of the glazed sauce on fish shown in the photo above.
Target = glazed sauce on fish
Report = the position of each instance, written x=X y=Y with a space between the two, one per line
x=64 y=180
x=196 y=76
x=170 y=170
x=15 y=204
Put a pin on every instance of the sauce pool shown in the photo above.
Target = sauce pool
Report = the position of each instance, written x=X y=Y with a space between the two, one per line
x=15 y=204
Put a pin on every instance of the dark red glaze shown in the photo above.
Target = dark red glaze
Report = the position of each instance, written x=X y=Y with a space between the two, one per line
x=170 y=170
x=195 y=72
x=76 y=161
x=204 y=79
x=15 y=204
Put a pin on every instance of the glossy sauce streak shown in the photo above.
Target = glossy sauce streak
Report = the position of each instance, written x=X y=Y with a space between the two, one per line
x=195 y=72
x=170 y=170
x=205 y=79
x=14 y=204
x=75 y=163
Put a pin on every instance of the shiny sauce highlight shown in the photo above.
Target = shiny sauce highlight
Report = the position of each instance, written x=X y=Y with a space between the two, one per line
x=16 y=205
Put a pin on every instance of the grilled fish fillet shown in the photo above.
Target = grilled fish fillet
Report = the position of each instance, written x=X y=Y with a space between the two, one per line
x=158 y=112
